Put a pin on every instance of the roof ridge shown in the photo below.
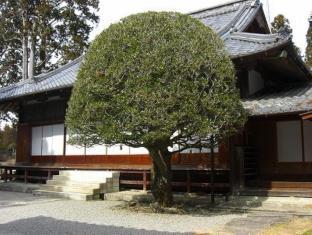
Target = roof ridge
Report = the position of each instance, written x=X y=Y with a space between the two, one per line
x=219 y=6
x=42 y=76
x=12 y=86
x=257 y=37
x=236 y=17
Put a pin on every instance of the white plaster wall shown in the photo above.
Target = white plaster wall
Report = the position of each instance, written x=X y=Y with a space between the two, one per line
x=289 y=143
x=138 y=150
x=73 y=149
x=202 y=150
x=96 y=150
x=118 y=149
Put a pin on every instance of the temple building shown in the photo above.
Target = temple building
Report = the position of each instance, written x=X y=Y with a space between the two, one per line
x=271 y=156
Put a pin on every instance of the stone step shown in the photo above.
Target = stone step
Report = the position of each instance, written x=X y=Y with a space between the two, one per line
x=60 y=188
x=104 y=187
x=14 y=186
x=130 y=195
x=58 y=182
x=80 y=185
x=81 y=179
x=77 y=183
x=96 y=174
x=277 y=192
x=67 y=195
x=61 y=181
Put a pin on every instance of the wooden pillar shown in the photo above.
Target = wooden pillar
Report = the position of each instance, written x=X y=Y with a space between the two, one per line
x=23 y=143
x=302 y=141
x=188 y=181
x=144 y=180
x=49 y=174
x=231 y=166
x=5 y=175
x=212 y=172
x=25 y=175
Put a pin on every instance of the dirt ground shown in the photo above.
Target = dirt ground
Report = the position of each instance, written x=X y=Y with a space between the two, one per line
x=297 y=226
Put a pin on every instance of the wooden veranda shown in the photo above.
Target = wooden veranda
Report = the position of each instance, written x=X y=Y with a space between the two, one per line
x=186 y=179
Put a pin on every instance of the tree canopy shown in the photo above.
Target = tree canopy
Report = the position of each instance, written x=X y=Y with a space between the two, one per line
x=44 y=33
x=280 y=22
x=308 y=53
x=8 y=138
x=162 y=81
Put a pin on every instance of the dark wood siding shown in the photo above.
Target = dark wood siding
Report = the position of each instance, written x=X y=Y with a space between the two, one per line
x=194 y=160
x=263 y=134
x=46 y=112
x=23 y=144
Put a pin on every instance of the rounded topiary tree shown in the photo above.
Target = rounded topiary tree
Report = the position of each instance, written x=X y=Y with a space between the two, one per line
x=162 y=81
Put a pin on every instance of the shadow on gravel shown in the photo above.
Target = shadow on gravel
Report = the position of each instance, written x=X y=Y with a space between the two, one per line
x=51 y=226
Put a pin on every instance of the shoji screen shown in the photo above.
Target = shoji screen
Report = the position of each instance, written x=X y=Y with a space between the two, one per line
x=48 y=140
x=36 y=141
x=58 y=139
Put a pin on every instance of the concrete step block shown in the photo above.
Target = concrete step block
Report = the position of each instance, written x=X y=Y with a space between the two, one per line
x=83 y=179
x=73 y=184
x=91 y=174
x=73 y=189
x=73 y=196
x=76 y=184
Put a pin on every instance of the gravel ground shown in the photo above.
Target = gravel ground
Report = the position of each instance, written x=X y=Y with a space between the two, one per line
x=24 y=214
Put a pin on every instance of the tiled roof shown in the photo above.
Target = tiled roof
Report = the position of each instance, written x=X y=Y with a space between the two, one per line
x=62 y=77
x=298 y=99
x=240 y=44
x=235 y=16
x=228 y=20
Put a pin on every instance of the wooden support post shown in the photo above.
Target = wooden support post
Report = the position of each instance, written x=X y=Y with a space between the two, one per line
x=144 y=181
x=5 y=175
x=25 y=175
x=212 y=173
x=302 y=141
x=49 y=174
x=188 y=181
x=11 y=173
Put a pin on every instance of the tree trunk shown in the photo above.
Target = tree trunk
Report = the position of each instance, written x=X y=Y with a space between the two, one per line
x=161 y=177
x=43 y=50
x=212 y=173
x=25 y=46
x=32 y=56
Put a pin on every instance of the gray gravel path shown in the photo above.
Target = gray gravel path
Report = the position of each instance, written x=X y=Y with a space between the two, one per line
x=24 y=214
x=255 y=222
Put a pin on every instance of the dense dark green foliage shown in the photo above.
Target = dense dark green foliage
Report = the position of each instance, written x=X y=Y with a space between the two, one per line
x=8 y=138
x=308 y=53
x=281 y=23
x=155 y=80
x=60 y=30
x=150 y=76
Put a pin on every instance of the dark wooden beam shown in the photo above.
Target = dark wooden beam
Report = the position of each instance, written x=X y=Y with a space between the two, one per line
x=302 y=140
x=306 y=116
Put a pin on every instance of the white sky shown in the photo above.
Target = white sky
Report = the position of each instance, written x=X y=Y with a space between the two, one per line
x=297 y=11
